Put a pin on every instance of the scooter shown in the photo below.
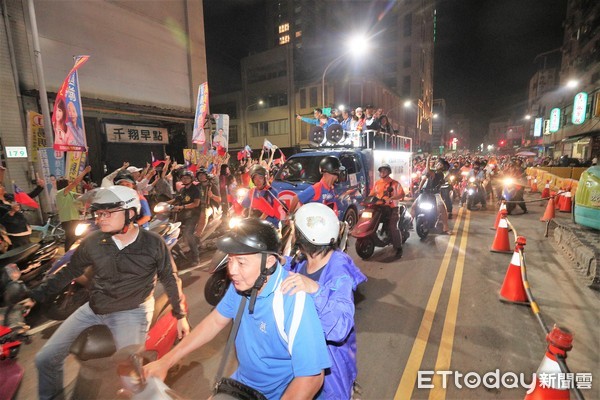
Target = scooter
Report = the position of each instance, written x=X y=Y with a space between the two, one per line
x=13 y=333
x=427 y=214
x=371 y=230
x=474 y=194
x=512 y=193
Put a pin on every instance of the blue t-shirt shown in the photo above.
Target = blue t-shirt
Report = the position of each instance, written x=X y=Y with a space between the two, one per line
x=272 y=353
x=317 y=193
x=145 y=210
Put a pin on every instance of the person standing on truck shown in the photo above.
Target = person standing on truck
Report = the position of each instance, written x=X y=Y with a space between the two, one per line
x=317 y=112
x=391 y=192
x=323 y=191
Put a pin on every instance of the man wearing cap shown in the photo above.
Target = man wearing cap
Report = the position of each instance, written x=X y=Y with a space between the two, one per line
x=280 y=344
x=390 y=191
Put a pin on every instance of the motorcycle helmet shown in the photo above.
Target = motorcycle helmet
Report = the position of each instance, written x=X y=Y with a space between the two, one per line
x=386 y=166
x=331 y=165
x=257 y=169
x=251 y=236
x=117 y=197
x=317 y=223
x=186 y=172
x=124 y=176
x=201 y=170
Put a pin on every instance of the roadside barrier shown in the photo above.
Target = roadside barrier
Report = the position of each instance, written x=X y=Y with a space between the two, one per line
x=559 y=339
x=501 y=242
x=513 y=290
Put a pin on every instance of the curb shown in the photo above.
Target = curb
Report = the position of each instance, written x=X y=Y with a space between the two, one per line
x=580 y=250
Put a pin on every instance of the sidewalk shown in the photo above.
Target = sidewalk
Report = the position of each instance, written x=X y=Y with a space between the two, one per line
x=578 y=243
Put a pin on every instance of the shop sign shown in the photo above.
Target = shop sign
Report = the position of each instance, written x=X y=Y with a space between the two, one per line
x=136 y=134
x=579 y=108
x=537 y=127
x=554 y=120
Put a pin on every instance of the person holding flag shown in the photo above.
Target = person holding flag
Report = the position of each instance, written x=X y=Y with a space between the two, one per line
x=11 y=216
x=261 y=200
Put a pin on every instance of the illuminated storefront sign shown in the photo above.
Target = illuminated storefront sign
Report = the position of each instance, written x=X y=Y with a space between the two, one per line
x=554 y=120
x=579 y=108
x=537 y=127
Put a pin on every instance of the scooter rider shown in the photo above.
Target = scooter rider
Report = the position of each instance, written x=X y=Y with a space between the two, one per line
x=330 y=277
x=126 y=262
x=188 y=204
x=124 y=178
x=210 y=196
x=391 y=191
x=433 y=180
x=280 y=345
x=261 y=200
x=323 y=191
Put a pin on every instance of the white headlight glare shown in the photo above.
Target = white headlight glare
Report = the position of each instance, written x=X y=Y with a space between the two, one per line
x=426 y=206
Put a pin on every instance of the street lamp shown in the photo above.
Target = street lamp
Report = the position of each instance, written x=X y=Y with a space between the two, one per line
x=258 y=103
x=363 y=39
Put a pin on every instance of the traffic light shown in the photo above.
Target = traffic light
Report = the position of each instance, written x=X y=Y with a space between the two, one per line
x=501 y=143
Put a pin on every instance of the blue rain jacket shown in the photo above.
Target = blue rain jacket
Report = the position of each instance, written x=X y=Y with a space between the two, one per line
x=335 y=306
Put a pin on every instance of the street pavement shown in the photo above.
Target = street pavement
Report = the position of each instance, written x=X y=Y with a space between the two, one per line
x=435 y=309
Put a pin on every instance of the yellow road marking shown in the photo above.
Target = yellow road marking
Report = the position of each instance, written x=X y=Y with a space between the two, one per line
x=447 y=341
x=409 y=376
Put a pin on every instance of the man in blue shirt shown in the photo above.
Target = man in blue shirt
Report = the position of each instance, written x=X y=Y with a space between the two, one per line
x=280 y=344
x=313 y=121
x=323 y=191
x=261 y=200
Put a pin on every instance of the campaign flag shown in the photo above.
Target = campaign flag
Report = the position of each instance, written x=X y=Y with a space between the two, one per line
x=23 y=198
x=67 y=116
x=261 y=204
x=75 y=164
x=267 y=145
x=221 y=135
x=198 y=134
x=35 y=133
x=155 y=162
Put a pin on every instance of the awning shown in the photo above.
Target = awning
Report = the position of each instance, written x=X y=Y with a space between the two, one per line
x=576 y=138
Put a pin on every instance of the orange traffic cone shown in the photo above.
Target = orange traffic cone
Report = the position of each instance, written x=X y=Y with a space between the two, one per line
x=565 y=206
x=501 y=243
x=499 y=215
x=546 y=191
x=559 y=199
x=534 y=186
x=549 y=382
x=512 y=290
x=549 y=213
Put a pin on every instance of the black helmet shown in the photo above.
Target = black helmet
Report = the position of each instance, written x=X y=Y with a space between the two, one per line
x=251 y=235
x=331 y=165
x=386 y=166
x=124 y=176
x=202 y=170
x=186 y=172
x=257 y=169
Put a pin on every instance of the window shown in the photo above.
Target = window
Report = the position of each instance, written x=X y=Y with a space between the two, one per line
x=407 y=25
x=270 y=128
x=407 y=57
x=284 y=27
x=284 y=39
x=313 y=97
x=349 y=163
x=233 y=134
x=406 y=86
x=302 y=98
x=298 y=34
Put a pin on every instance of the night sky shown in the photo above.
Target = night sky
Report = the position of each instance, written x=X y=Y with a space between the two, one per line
x=484 y=50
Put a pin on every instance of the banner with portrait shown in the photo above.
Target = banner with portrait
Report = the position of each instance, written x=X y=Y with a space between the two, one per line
x=198 y=134
x=67 y=116
x=52 y=165
x=220 y=140
x=35 y=134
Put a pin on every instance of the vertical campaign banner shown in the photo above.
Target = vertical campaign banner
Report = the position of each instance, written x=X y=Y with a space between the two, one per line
x=198 y=134
x=220 y=139
x=190 y=156
x=35 y=134
x=52 y=168
x=67 y=116
x=75 y=164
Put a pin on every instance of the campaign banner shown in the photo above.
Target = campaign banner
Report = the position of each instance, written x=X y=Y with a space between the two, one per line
x=220 y=141
x=198 y=134
x=67 y=116
x=35 y=134
x=75 y=164
x=190 y=157
x=117 y=133
x=52 y=165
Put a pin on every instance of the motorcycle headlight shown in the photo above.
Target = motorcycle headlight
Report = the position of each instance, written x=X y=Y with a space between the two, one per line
x=81 y=228
x=508 y=181
x=471 y=191
x=471 y=179
x=234 y=222
x=367 y=214
x=426 y=206
x=161 y=207
x=451 y=178
x=241 y=194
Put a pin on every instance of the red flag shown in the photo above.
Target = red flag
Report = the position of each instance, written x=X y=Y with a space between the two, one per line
x=262 y=205
x=155 y=162
x=23 y=198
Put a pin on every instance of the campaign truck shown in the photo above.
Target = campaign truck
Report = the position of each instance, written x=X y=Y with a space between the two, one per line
x=357 y=152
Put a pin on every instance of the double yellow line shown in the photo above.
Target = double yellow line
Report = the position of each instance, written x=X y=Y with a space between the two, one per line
x=409 y=376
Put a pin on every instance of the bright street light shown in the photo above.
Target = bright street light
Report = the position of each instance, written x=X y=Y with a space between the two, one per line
x=341 y=107
x=358 y=39
x=571 y=84
x=407 y=103
x=435 y=116
x=528 y=117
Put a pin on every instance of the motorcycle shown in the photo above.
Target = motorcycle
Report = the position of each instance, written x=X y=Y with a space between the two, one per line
x=95 y=351
x=13 y=333
x=474 y=194
x=371 y=230
x=512 y=193
x=427 y=214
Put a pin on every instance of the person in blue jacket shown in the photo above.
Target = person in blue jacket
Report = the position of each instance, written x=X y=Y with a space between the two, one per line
x=317 y=112
x=330 y=276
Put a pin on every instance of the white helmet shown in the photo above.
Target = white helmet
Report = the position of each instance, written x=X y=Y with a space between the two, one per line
x=318 y=223
x=116 y=197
